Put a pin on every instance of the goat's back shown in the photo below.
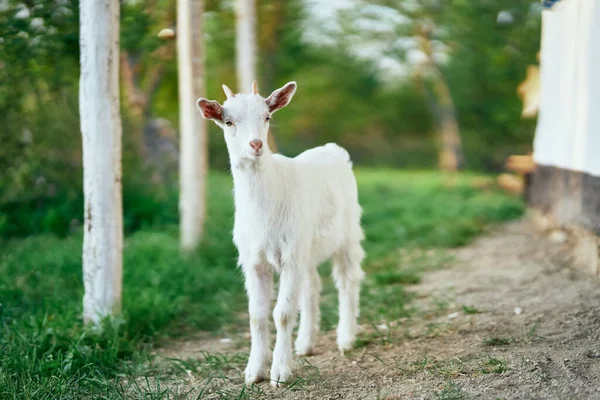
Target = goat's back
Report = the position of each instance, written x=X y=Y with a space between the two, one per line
x=327 y=155
x=327 y=170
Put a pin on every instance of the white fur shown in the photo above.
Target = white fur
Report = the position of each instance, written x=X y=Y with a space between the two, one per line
x=291 y=214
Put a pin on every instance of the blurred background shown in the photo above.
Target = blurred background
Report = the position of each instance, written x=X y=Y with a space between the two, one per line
x=404 y=84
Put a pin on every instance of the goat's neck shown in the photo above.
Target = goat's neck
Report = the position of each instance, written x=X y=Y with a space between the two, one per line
x=253 y=181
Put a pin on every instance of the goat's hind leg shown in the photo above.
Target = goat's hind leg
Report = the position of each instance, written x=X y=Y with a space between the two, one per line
x=348 y=274
x=310 y=315
x=259 y=286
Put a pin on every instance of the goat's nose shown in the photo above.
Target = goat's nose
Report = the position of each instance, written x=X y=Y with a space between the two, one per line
x=256 y=144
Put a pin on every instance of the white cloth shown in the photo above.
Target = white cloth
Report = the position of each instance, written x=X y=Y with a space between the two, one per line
x=568 y=128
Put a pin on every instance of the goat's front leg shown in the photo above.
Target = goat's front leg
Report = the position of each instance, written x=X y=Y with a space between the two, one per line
x=259 y=286
x=284 y=315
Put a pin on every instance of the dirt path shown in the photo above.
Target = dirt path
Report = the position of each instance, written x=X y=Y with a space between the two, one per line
x=509 y=320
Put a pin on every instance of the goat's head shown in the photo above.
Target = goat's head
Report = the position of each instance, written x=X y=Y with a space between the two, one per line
x=244 y=118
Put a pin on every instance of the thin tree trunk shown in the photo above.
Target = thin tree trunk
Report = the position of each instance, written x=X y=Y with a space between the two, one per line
x=271 y=48
x=193 y=141
x=135 y=99
x=269 y=43
x=245 y=44
x=101 y=134
x=451 y=154
x=246 y=50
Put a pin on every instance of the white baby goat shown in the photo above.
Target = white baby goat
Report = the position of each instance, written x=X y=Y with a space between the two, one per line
x=291 y=214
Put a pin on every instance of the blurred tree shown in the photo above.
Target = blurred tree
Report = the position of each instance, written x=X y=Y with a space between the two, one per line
x=246 y=51
x=467 y=58
x=193 y=163
x=101 y=132
x=145 y=64
x=414 y=28
x=245 y=44
x=281 y=47
x=488 y=61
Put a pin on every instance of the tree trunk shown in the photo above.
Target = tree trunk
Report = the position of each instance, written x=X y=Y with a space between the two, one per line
x=451 y=155
x=193 y=140
x=245 y=44
x=271 y=20
x=246 y=50
x=101 y=134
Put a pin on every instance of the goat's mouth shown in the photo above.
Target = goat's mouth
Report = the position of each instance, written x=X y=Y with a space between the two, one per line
x=255 y=153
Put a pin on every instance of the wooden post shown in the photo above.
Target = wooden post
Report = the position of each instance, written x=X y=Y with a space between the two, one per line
x=193 y=161
x=246 y=50
x=101 y=134
x=245 y=44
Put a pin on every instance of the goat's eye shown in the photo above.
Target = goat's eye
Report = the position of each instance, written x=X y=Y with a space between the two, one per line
x=267 y=118
x=228 y=123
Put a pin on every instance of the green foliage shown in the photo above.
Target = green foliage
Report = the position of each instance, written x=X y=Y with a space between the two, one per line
x=484 y=73
x=423 y=209
x=45 y=352
x=486 y=61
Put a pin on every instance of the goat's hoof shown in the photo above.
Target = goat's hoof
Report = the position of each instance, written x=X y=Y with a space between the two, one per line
x=307 y=352
x=345 y=342
x=254 y=375
x=346 y=337
x=280 y=376
x=304 y=348
x=251 y=379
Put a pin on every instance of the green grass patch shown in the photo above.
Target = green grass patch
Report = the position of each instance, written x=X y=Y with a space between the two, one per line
x=451 y=391
x=494 y=366
x=498 y=341
x=470 y=310
x=45 y=352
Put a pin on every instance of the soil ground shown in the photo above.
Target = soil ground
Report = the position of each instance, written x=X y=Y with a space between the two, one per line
x=510 y=319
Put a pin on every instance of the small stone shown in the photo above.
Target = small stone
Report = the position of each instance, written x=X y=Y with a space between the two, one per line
x=453 y=315
x=593 y=354
x=225 y=341
x=518 y=310
x=558 y=236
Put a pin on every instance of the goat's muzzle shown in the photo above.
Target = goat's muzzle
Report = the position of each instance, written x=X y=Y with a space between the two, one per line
x=256 y=145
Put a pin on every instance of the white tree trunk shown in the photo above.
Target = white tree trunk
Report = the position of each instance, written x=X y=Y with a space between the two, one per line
x=101 y=132
x=245 y=44
x=193 y=140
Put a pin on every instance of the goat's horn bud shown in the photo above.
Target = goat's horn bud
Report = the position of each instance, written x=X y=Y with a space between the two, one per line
x=228 y=92
x=254 y=88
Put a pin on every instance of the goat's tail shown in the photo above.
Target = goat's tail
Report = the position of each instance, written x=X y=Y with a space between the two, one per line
x=338 y=151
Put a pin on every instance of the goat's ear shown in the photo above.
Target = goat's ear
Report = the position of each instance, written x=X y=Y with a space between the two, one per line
x=281 y=97
x=210 y=109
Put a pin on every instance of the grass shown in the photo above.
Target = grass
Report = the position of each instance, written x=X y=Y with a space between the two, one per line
x=448 y=369
x=46 y=353
x=470 y=310
x=498 y=341
x=451 y=391
x=494 y=366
